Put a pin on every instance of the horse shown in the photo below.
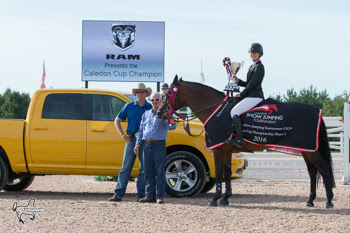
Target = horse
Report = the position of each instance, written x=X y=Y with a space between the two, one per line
x=20 y=210
x=202 y=99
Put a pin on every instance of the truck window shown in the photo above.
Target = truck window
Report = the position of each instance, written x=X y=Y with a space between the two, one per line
x=105 y=107
x=64 y=106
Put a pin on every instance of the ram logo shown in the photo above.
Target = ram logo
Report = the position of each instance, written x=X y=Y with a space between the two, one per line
x=123 y=36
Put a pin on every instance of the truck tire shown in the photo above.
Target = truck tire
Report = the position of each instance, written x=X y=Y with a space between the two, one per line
x=184 y=173
x=209 y=185
x=4 y=173
x=19 y=184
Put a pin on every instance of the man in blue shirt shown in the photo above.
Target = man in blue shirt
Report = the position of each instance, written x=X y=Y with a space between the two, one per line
x=152 y=134
x=132 y=111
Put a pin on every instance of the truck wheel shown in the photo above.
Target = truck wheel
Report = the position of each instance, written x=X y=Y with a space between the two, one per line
x=209 y=185
x=4 y=173
x=19 y=183
x=185 y=174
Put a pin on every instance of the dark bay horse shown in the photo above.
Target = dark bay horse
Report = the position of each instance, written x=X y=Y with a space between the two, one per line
x=202 y=100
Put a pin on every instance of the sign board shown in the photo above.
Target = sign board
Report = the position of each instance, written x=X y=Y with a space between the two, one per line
x=123 y=51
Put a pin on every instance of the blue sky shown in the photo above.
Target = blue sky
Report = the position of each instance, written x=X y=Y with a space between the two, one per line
x=305 y=42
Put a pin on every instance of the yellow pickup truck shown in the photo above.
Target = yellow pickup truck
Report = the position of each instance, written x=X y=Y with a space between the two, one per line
x=72 y=132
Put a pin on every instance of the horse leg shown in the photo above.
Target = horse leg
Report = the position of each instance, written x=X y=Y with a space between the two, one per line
x=227 y=175
x=324 y=169
x=219 y=167
x=313 y=175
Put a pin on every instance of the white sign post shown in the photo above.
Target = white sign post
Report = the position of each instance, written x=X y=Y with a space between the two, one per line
x=346 y=144
x=123 y=51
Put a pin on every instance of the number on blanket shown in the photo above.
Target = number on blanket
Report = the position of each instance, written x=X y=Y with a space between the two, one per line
x=260 y=139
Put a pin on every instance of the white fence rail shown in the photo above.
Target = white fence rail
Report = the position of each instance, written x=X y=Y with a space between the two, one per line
x=269 y=165
x=266 y=165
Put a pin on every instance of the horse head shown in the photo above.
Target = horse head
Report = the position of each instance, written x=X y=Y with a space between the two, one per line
x=172 y=101
x=163 y=108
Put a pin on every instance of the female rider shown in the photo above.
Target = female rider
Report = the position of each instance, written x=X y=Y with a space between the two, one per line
x=251 y=95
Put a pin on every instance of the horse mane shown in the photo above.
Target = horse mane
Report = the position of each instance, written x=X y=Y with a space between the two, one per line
x=204 y=86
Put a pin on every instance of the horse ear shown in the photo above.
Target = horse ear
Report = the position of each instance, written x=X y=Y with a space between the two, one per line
x=175 y=82
x=180 y=79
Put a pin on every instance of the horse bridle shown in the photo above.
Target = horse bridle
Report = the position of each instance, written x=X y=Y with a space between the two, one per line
x=173 y=91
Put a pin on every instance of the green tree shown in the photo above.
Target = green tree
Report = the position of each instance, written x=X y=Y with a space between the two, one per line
x=320 y=100
x=1 y=100
x=278 y=97
x=291 y=96
x=335 y=106
x=14 y=105
x=307 y=96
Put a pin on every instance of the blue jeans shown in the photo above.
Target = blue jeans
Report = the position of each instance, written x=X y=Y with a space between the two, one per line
x=124 y=174
x=154 y=165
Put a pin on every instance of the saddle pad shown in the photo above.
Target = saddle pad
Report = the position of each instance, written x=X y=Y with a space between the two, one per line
x=285 y=127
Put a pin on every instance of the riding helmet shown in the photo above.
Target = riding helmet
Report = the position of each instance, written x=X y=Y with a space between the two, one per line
x=165 y=86
x=256 y=47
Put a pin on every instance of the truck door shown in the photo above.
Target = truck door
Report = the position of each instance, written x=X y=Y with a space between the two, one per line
x=58 y=133
x=105 y=147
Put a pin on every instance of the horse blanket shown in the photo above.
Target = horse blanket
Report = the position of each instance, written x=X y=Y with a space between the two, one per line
x=285 y=127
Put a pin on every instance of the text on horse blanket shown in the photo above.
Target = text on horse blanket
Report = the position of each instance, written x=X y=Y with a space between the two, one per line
x=291 y=126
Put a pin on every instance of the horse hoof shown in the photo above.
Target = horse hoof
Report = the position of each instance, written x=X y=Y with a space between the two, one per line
x=329 y=206
x=212 y=203
x=223 y=202
x=309 y=204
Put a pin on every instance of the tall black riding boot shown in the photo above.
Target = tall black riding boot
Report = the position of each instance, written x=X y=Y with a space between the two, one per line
x=238 y=140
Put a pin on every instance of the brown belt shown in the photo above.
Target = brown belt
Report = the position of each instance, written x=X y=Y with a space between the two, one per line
x=152 y=141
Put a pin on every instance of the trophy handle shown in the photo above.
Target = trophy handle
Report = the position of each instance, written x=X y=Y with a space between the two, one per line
x=240 y=67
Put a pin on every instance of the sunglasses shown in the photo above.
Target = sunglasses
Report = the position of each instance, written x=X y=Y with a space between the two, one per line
x=155 y=100
x=140 y=92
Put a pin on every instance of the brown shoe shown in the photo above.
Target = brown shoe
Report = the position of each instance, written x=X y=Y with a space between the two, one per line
x=114 y=198
x=148 y=200
x=160 y=200
x=138 y=198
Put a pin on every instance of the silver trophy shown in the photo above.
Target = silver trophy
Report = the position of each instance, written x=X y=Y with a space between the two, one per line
x=232 y=69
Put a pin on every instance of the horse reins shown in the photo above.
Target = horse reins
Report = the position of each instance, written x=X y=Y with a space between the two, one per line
x=174 y=90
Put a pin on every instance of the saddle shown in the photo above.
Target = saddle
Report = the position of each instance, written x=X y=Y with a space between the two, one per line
x=286 y=127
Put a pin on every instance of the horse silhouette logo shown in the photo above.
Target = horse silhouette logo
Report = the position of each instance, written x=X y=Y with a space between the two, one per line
x=265 y=108
x=28 y=209
x=123 y=36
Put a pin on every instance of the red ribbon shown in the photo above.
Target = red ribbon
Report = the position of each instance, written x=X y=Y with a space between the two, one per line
x=174 y=90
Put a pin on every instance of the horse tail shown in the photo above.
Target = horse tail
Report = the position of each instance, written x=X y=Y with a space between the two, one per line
x=325 y=150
